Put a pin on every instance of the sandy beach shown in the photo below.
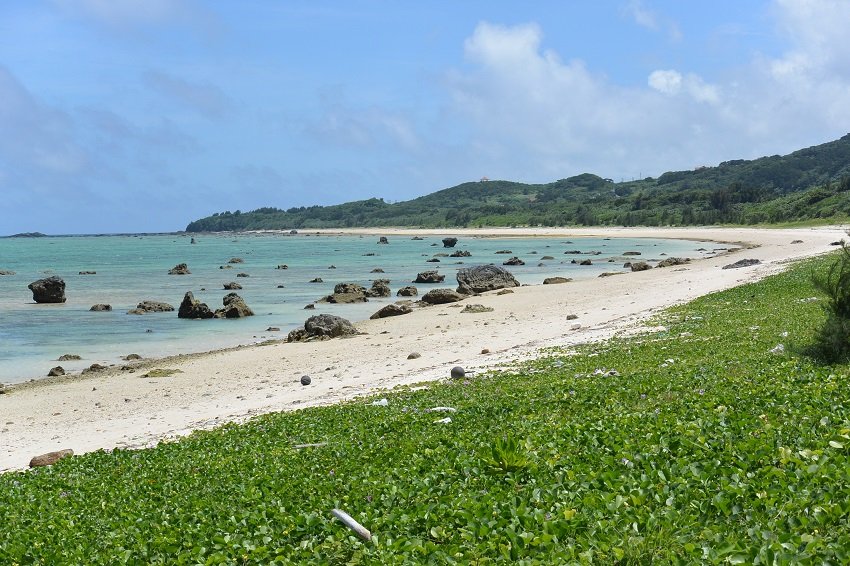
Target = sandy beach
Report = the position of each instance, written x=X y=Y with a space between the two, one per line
x=120 y=409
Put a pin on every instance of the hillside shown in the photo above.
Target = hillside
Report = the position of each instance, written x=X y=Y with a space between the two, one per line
x=806 y=184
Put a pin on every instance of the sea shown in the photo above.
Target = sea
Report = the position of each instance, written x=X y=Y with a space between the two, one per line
x=128 y=269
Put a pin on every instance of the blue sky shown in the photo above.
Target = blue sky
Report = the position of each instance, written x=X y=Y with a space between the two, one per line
x=142 y=115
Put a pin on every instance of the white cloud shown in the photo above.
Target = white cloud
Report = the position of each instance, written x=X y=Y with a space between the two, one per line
x=641 y=15
x=667 y=82
x=536 y=116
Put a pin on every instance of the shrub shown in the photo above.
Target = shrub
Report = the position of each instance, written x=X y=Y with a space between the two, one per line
x=832 y=340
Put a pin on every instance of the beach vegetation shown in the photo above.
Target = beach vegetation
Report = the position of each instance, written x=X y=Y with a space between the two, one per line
x=832 y=341
x=808 y=185
x=696 y=441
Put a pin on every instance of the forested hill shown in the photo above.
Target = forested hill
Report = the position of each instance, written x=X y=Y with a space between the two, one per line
x=807 y=184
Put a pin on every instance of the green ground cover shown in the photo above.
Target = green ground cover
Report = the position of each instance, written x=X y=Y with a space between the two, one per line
x=690 y=444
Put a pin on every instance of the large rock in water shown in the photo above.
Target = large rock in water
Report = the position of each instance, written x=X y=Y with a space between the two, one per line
x=179 y=269
x=193 y=308
x=345 y=293
x=49 y=290
x=322 y=327
x=449 y=242
x=151 y=306
x=429 y=277
x=234 y=307
x=481 y=278
x=380 y=288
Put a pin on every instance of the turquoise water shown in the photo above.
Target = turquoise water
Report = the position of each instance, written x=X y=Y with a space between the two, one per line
x=133 y=268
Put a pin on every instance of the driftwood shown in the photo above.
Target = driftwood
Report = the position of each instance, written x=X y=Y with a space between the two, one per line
x=311 y=445
x=349 y=522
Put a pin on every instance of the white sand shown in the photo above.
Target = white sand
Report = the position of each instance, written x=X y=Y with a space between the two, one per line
x=121 y=409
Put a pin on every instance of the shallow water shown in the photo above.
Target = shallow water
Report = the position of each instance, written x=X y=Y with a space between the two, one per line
x=133 y=268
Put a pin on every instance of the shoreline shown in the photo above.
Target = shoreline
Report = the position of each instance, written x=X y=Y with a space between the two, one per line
x=119 y=409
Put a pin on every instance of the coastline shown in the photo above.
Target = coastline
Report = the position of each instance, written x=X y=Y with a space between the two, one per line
x=120 y=409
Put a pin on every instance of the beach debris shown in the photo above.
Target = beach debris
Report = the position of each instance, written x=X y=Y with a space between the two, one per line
x=796 y=241
x=161 y=372
x=392 y=310
x=572 y=316
x=236 y=260
x=441 y=410
x=380 y=402
x=48 y=290
x=380 y=288
x=556 y=280
x=485 y=350
x=476 y=308
x=179 y=269
x=225 y=267
x=482 y=278
x=349 y=522
x=282 y=266
x=778 y=349
x=458 y=372
x=413 y=355
x=322 y=327
x=449 y=242
x=442 y=296
x=50 y=458
x=836 y=243
x=310 y=445
x=101 y=307
x=742 y=263
x=514 y=261
x=55 y=372
x=446 y=420
x=429 y=277
x=671 y=261
x=69 y=357
x=408 y=291
x=306 y=380
x=151 y=306
x=232 y=286
x=605 y=372
x=273 y=329
x=87 y=273
x=575 y=326
x=383 y=240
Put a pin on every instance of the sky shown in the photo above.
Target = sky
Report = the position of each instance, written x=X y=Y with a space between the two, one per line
x=143 y=115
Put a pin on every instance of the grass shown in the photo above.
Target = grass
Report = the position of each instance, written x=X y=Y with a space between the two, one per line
x=694 y=444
